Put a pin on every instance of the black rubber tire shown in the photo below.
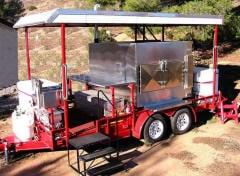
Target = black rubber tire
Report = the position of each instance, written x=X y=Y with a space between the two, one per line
x=174 y=119
x=147 y=138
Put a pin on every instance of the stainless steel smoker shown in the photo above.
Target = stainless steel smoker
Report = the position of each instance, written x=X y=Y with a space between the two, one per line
x=161 y=71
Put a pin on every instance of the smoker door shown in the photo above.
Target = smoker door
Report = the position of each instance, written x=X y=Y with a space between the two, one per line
x=161 y=85
x=166 y=74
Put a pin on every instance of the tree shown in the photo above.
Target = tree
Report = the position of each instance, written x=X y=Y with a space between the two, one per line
x=203 y=34
x=149 y=5
x=31 y=8
x=11 y=10
x=142 y=5
x=104 y=2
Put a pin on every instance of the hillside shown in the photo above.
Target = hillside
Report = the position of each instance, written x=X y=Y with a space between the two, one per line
x=43 y=5
x=45 y=52
x=45 y=49
x=45 y=44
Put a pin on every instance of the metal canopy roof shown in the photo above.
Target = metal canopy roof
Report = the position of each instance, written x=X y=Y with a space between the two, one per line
x=83 y=18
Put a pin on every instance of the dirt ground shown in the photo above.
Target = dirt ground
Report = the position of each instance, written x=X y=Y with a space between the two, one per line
x=210 y=149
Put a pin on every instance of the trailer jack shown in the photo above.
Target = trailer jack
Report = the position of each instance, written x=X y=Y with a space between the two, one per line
x=226 y=110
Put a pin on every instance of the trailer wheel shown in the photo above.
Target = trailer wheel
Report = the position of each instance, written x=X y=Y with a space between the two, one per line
x=181 y=122
x=154 y=129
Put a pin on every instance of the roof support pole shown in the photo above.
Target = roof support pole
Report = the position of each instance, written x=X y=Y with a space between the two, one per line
x=215 y=61
x=136 y=33
x=132 y=90
x=96 y=34
x=27 y=53
x=144 y=33
x=64 y=82
x=163 y=34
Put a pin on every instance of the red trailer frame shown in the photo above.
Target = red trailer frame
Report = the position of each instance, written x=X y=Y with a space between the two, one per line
x=129 y=124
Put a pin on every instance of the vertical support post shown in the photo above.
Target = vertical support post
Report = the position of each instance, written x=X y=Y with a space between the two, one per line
x=113 y=101
x=50 y=111
x=64 y=82
x=215 y=61
x=97 y=126
x=96 y=35
x=132 y=90
x=27 y=53
x=136 y=33
x=144 y=33
x=163 y=34
x=113 y=108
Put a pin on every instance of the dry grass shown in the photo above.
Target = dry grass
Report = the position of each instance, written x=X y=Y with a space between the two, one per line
x=45 y=44
x=45 y=53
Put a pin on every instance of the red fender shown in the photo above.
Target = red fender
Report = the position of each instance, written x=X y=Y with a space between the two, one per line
x=142 y=117
x=193 y=112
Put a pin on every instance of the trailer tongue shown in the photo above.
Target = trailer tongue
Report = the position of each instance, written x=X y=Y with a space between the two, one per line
x=135 y=88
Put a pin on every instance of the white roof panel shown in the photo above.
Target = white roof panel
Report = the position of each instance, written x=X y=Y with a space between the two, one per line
x=73 y=17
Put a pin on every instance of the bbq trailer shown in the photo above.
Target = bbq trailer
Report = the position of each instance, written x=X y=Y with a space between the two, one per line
x=141 y=88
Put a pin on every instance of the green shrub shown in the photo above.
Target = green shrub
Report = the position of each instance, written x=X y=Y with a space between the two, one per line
x=203 y=34
x=11 y=10
x=103 y=35
x=142 y=5
x=104 y=2
x=31 y=8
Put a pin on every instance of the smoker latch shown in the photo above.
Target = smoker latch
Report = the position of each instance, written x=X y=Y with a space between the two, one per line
x=163 y=72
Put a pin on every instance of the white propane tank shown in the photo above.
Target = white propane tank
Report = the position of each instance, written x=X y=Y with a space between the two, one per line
x=23 y=124
x=203 y=81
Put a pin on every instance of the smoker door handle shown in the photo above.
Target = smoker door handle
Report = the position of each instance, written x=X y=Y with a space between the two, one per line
x=163 y=71
x=166 y=70
x=165 y=65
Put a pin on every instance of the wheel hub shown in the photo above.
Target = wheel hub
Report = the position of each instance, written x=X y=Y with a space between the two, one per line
x=182 y=121
x=156 y=129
